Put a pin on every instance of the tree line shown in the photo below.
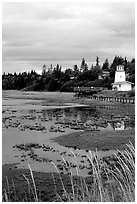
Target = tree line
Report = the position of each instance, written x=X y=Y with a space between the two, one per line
x=55 y=79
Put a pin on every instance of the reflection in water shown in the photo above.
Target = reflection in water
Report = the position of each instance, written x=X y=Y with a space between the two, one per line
x=88 y=116
x=82 y=114
x=119 y=126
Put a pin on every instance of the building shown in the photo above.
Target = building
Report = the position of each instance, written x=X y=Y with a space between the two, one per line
x=103 y=74
x=120 y=82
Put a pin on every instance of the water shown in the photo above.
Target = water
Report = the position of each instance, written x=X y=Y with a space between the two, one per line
x=25 y=122
x=87 y=116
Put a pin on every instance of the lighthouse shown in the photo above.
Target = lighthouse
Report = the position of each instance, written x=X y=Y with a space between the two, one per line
x=120 y=74
x=120 y=83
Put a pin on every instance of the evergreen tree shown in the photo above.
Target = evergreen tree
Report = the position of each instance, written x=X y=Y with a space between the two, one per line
x=75 y=68
x=83 y=62
x=57 y=67
x=51 y=68
x=105 y=66
x=97 y=61
x=44 y=70
x=85 y=67
x=92 y=66
x=133 y=61
x=82 y=65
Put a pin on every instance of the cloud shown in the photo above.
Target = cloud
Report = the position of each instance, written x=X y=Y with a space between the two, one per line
x=64 y=33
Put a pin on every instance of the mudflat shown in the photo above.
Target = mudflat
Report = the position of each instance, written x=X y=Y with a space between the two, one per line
x=41 y=127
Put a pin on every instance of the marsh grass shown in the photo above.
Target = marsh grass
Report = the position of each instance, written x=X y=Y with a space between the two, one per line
x=111 y=180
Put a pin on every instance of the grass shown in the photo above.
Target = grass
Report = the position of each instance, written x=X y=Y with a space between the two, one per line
x=111 y=93
x=112 y=180
x=102 y=140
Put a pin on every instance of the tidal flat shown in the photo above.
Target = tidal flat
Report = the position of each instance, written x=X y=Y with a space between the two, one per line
x=41 y=128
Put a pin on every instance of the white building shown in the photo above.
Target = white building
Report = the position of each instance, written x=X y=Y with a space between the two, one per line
x=120 y=82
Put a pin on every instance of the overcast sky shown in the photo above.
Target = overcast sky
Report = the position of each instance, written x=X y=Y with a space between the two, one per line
x=49 y=33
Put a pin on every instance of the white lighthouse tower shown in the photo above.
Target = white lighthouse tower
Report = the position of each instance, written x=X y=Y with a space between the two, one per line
x=120 y=83
x=120 y=74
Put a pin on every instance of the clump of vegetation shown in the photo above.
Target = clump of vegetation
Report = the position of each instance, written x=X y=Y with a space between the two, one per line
x=131 y=93
x=112 y=180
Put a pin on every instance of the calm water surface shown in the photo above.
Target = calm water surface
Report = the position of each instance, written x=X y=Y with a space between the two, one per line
x=25 y=123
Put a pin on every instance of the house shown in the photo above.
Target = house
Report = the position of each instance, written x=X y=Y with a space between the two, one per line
x=120 y=82
x=122 y=86
x=103 y=74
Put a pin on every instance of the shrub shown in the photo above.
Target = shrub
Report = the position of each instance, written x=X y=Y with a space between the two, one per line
x=131 y=93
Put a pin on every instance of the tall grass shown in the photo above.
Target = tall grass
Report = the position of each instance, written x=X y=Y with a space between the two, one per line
x=112 y=180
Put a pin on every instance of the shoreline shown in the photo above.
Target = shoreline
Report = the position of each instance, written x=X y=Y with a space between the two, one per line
x=86 y=140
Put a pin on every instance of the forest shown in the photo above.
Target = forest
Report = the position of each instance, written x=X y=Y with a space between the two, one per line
x=56 y=79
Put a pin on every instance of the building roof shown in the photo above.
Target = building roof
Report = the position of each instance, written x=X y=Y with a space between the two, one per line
x=122 y=82
x=105 y=71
